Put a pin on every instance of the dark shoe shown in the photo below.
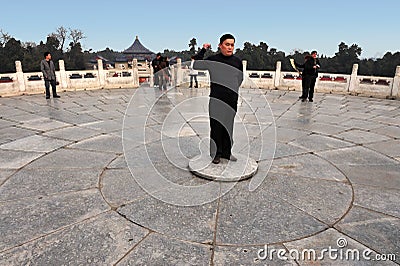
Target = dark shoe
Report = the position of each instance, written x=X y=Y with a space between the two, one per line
x=303 y=99
x=216 y=160
x=47 y=97
x=56 y=96
x=310 y=100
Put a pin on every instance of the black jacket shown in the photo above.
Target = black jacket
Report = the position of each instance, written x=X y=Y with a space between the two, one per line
x=226 y=75
x=308 y=67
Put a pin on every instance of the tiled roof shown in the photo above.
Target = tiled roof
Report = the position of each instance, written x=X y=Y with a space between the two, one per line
x=137 y=48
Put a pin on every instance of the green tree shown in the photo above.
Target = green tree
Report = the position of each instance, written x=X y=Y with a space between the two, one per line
x=192 y=45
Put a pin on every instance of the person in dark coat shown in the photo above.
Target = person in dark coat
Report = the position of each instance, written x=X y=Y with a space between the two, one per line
x=156 y=67
x=309 y=76
x=226 y=75
x=49 y=74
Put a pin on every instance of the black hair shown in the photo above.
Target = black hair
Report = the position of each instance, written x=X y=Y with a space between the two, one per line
x=314 y=52
x=45 y=54
x=226 y=36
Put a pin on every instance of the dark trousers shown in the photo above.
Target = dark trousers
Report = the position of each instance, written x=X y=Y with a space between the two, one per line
x=308 y=85
x=193 y=77
x=222 y=117
x=47 y=84
x=156 y=78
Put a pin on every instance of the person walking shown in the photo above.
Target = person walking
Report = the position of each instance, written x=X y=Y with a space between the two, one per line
x=226 y=76
x=193 y=74
x=309 y=76
x=49 y=74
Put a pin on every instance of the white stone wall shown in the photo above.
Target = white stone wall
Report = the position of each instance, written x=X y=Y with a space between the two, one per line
x=388 y=87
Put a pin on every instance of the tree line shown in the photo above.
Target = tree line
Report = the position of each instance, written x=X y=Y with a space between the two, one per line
x=262 y=57
x=259 y=57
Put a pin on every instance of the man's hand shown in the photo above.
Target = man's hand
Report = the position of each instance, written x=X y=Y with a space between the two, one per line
x=206 y=46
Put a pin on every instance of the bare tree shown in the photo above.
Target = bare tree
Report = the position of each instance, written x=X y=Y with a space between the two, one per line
x=61 y=36
x=4 y=37
x=76 y=35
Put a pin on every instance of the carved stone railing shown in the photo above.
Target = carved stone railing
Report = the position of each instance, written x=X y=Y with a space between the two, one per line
x=29 y=83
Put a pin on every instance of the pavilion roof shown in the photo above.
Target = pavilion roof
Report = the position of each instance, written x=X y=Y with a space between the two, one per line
x=137 y=49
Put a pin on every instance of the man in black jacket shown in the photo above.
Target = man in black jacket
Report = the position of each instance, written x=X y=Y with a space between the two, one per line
x=226 y=75
x=309 y=76
x=49 y=74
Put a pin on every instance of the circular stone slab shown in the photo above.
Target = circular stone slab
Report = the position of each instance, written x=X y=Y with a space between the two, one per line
x=225 y=171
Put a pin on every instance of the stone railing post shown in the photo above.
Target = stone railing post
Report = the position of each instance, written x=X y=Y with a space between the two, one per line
x=245 y=77
x=179 y=73
x=396 y=83
x=63 y=75
x=135 y=73
x=353 y=79
x=102 y=74
x=173 y=76
x=151 y=79
x=277 y=77
x=20 y=76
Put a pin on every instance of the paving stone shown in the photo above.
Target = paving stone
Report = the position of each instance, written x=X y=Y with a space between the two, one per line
x=73 y=159
x=326 y=129
x=157 y=249
x=316 y=142
x=27 y=219
x=377 y=231
x=103 y=239
x=390 y=148
x=259 y=217
x=379 y=175
x=16 y=159
x=362 y=124
x=361 y=137
x=286 y=135
x=43 y=124
x=118 y=187
x=35 y=143
x=73 y=133
x=283 y=150
x=118 y=163
x=307 y=165
x=384 y=200
x=325 y=200
x=355 y=156
x=12 y=133
x=106 y=126
x=173 y=221
x=41 y=182
x=101 y=143
x=5 y=174
x=389 y=131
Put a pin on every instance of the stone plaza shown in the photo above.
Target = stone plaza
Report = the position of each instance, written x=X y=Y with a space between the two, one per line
x=100 y=177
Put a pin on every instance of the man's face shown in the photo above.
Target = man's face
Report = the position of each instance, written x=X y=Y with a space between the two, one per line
x=227 y=47
x=314 y=55
x=48 y=57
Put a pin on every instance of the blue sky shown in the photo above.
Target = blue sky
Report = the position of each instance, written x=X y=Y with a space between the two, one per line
x=284 y=25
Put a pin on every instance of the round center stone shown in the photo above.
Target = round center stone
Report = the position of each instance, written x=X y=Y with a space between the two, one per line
x=226 y=170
